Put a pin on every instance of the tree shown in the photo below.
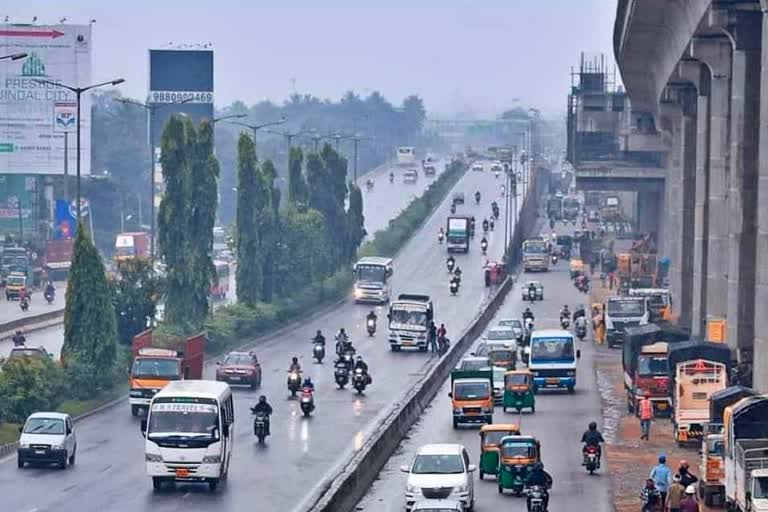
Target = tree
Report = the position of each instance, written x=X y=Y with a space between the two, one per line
x=251 y=198
x=269 y=223
x=135 y=294
x=90 y=329
x=355 y=220
x=297 y=185
x=29 y=385
x=414 y=113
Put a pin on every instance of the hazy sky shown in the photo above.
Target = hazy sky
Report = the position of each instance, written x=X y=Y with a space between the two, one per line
x=460 y=56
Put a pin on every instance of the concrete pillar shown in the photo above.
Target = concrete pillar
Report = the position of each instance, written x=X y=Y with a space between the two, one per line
x=715 y=53
x=701 y=208
x=742 y=194
x=684 y=297
x=648 y=210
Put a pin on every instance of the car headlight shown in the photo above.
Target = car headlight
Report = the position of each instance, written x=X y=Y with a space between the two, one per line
x=460 y=488
x=153 y=457
x=23 y=445
x=411 y=488
x=57 y=447
x=212 y=459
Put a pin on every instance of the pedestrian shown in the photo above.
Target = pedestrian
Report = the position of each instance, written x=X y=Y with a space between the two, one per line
x=646 y=415
x=675 y=494
x=662 y=478
x=689 y=502
x=686 y=477
x=649 y=496
x=432 y=336
x=610 y=280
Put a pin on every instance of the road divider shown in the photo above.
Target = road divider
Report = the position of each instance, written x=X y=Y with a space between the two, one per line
x=31 y=323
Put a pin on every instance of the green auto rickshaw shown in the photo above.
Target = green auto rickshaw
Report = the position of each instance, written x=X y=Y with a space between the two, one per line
x=518 y=391
x=518 y=454
x=490 y=437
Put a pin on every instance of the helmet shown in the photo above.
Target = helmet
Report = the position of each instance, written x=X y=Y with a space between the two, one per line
x=262 y=399
x=319 y=333
x=593 y=426
x=690 y=490
x=295 y=359
x=359 y=358
x=527 y=310
x=341 y=331
x=538 y=466
x=307 y=380
x=662 y=458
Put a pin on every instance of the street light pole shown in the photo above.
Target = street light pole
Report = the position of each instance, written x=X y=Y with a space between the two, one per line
x=256 y=127
x=78 y=93
x=14 y=56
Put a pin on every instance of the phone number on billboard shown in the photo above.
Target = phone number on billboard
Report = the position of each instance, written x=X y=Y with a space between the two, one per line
x=181 y=97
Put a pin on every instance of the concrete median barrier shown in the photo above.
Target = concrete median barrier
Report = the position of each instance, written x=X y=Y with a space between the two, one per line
x=31 y=323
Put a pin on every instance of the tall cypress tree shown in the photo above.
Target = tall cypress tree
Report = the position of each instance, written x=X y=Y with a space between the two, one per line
x=90 y=327
x=249 y=279
x=270 y=229
x=355 y=221
x=298 y=194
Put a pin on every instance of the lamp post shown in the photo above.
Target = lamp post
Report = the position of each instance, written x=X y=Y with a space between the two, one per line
x=78 y=93
x=227 y=117
x=289 y=136
x=14 y=56
x=256 y=127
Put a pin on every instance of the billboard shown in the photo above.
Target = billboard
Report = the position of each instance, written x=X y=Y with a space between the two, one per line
x=30 y=142
x=182 y=82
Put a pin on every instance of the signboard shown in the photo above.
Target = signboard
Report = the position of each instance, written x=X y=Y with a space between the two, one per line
x=182 y=82
x=30 y=142
x=65 y=116
x=716 y=329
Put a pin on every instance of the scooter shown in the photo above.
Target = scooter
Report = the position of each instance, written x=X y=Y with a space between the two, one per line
x=554 y=259
x=453 y=209
x=318 y=351
x=440 y=237
x=484 y=246
x=341 y=373
x=454 y=287
x=359 y=381
x=294 y=383
x=532 y=294
x=49 y=297
x=591 y=462
x=442 y=345
x=24 y=304
x=565 y=324
x=307 y=401
x=536 y=495
x=581 y=331
x=260 y=422
x=371 y=326
x=450 y=264
x=492 y=224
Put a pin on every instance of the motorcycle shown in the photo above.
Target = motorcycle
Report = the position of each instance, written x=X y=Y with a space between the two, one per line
x=24 y=304
x=492 y=224
x=359 y=381
x=477 y=199
x=440 y=237
x=536 y=496
x=341 y=373
x=565 y=323
x=260 y=422
x=453 y=209
x=371 y=326
x=554 y=259
x=454 y=287
x=532 y=294
x=484 y=246
x=495 y=215
x=581 y=331
x=307 y=401
x=294 y=382
x=591 y=462
x=485 y=227
x=450 y=264
x=442 y=345
x=369 y=185
x=49 y=297
x=391 y=178
x=496 y=174
x=318 y=351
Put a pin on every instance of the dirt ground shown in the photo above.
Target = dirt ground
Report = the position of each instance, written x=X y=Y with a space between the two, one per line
x=630 y=459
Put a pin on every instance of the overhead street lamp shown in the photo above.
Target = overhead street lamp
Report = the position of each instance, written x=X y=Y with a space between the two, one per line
x=227 y=117
x=14 y=56
x=78 y=93
x=256 y=127
x=289 y=136
x=151 y=108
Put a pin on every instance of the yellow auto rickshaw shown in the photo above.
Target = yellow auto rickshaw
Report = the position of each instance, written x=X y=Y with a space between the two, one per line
x=503 y=357
x=577 y=268
x=490 y=437
x=518 y=391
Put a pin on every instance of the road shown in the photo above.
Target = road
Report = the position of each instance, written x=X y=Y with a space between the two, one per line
x=558 y=423
x=109 y=474
x=10 y=310
x=380 y=205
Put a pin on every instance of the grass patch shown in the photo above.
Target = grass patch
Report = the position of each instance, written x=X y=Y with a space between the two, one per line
x=77 y=407
x=9 y=433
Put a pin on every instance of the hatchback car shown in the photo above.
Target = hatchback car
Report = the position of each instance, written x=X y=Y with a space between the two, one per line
x=500 y=335
x=438 y=506
x=516 y=326
x=440 y=471
x=473 y=364
x=47 y=438
x=240 y=368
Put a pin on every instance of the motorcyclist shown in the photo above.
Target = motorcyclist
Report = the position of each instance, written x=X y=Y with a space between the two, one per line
x=371 y=316
x=565 y=313
x=441 y=233
x=477 y=196
x=457 y=272
x=528 y=314
x=451 y=261
x=19 y=339
x=581 y=323
x=539 y=477
x=50 y=289
x=342 y=342
x=532 y=290
x=263 y=407
x=592 y=438
x=360 y=364
x=453 y=208
x=492 y=224
x=308 y=384
x=391 y=177
x=485 y=224
x=295 y=366
x=484 y=243
x=319 y=338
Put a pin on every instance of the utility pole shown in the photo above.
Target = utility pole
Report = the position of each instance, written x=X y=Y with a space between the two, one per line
x=256 y=127
x=289 y=136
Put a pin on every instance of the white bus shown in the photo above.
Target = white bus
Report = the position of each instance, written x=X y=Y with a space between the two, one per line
x=406 y=155
x=373 y=281
x=189 y=431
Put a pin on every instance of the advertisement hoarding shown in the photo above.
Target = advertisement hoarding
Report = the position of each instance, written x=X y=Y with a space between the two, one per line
x=182 y=82
x=30 y=142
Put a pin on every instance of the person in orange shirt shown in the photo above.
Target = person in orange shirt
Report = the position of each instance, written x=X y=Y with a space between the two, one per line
x=646 y=415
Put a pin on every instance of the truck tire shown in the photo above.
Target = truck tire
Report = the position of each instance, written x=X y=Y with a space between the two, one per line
x=135 y=410
x=455 y=423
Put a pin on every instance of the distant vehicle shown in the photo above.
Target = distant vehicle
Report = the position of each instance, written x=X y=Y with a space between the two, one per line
x=47 y=438
x=430 y=170
x=440 y=471
x=411 y=176
x=516 y=326
x=552 y=359
x=571 y=207
x=477 y=167
x=458 y=198
x=535 y=255
x=240 y=368
x=473 y=363
x=406 y=156
x=28 y=352
x=501 y=334
x=496 y=167
x=189 y=432
x=623 y=312
x=15 y=283
x=220 y=287
x=498 y=384
x=472 y=396
x=555 y=207
x=409 y=317
x=373 y=279
x=539 y=289
x=593 y=216
x=219 y=241
x=131 y=245
x=458 y=233
x=58 y=258
x=16 y=259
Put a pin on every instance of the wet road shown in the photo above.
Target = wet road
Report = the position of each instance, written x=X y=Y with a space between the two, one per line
x=10 y=310
x=558 y=423
x=109 y=474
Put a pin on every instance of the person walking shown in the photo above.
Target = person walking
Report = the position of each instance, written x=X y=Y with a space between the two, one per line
x=646 y=415
x=432 y=335
x=649 y=496
x=675 y=494
x=686 y=477
x=662 y=478
x=689 y=502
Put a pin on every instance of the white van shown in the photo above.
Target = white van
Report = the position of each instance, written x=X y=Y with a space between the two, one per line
x=47 y=438
x=189 y=431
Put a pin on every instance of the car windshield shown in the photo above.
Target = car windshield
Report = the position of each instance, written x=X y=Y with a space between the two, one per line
x=125 y=251
x=182 y=418
x=512 y=324
x=501 y=355
x=54 y=426
x=15 y=280
x=548 y=349
x=473 y=364
x=438 y=464
x=500 y=334
x=761 y=488
x=518 y=450
x=371 y=273
x=471 y=391
x=239 y=360
x=626 y=307
x=657 y=300
x=162 y=368
x=409 y=317
x=651 y=365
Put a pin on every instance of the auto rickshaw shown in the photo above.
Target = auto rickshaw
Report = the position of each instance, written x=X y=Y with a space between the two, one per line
x=503 y=357
x=518 y=391
x=577 y=267
x=518 y=454
x=490 y=437
x=495 y=273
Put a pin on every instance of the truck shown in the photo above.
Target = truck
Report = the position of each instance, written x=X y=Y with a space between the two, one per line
x=611 y=208
x=696 y=370
x=458 y=234
x=58 y=258
x=471 y=396
x=623 y=312
x=129 y=246
x=16 y=260
x=406 y=156
x=153 y=366
x=712 y=461
x=571 y=208
x=555 y=207
x=745 y=433
x=644 y=358
x=409 y=318
x=535 y=255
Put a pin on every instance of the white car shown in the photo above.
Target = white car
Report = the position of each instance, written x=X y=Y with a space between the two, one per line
x=502 y=335
x=477 y=167
x=438 y=506
x=440 y=471
x=47 y=438
x=516 y=326
x=498 y=384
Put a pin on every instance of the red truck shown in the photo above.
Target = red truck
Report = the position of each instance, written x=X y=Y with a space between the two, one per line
x=58 y=258
x=645 y=358
x=131 y=245
x=153 y=366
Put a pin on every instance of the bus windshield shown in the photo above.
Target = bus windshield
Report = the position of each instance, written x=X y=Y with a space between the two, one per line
x=409 y=317
x=370 y=273
x=181 y=420
x=552 y=349
x=535 y=248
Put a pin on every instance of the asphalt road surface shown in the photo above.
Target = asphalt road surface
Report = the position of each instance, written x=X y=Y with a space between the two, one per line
x=10 y=310
x=558 y=423
x=109 y=474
